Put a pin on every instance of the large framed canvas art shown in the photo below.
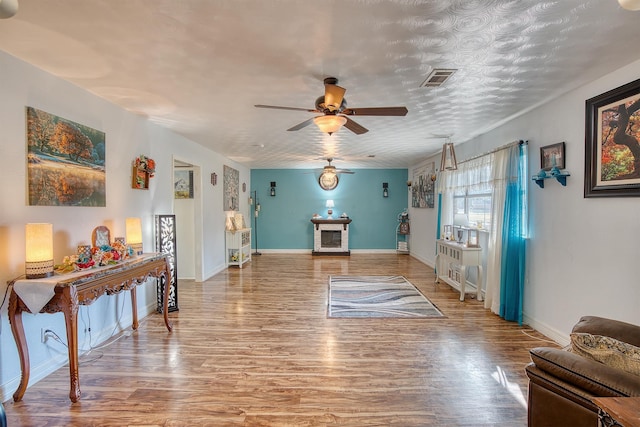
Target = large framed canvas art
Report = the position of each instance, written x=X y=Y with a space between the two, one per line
x=65 y=162
x=612 y=143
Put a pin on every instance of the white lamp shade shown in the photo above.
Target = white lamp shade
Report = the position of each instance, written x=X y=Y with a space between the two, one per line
x=8 y=8
x=330 y=204
x=39 y=250
x=133 y=228
x=330 y=123
x=630 y=4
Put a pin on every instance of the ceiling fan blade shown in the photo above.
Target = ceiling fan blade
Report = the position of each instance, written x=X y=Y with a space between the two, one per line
x=344 y=171
x=333 y=96
x=354 y=127
x=302 y=125
x=376 y=111
x=286 y=108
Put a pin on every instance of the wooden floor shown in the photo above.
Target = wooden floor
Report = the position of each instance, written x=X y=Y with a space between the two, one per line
x=254 y=347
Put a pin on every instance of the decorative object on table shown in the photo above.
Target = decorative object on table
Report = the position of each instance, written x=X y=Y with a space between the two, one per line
x=377 y=296
x=183 y=184
x=473 y=240
x=238 y=220
x=612 y=143
x=39 y=250
x=422 y=186
x=120 y=240
x=229 y=224
x=142 y=170
x=256 y=211
x=552 y=156
x=385 y=189
x=80 y=149
x=84 y=253
x=272 y=191
x=165 y=233
x=98 y=256
x=133 y=227
x=100 y=236
x=448 y=232
x=460 y=235
x=231 y=179
x=330 y=205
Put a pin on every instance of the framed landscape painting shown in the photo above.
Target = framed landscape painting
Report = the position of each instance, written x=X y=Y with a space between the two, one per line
x=65 y=162
x=612 y=143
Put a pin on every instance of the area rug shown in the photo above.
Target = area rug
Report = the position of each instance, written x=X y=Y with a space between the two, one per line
x=377 y=296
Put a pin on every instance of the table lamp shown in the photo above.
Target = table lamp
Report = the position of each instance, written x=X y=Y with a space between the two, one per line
x=39 y=251
x=133 y=227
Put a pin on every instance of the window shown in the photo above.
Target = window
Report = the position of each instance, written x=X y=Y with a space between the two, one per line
x=476 y=206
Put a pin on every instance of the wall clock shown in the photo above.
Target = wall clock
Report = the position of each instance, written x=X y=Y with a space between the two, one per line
x=328 y=181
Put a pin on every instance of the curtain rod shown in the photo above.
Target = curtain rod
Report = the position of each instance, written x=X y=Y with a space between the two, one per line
x=495 y=150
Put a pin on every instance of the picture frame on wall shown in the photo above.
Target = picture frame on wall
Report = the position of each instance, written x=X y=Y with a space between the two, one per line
x=552 y=156
x=612 y=143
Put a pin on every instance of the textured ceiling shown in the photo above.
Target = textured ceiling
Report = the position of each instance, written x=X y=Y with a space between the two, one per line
x=198 y=67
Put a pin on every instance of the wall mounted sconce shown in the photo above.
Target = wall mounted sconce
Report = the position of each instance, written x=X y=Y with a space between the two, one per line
x=448 y=161
x=133 y=230
x=330 y=206
x=273 y=189
x=385 y=189
x=39 y=251
x=433 y=177
x=214 y=178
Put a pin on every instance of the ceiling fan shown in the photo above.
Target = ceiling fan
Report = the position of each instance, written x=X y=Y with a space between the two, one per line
x=333 y=106
x=328 y=178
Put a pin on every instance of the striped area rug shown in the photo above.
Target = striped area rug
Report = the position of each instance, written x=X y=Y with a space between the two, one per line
x=377 y=296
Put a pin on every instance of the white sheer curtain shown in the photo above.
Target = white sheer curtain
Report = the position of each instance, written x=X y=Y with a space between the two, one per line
x=494 y=249
x=481 y=175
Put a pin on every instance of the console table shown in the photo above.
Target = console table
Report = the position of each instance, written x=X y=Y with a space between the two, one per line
x=450 y=252
x=73 y=290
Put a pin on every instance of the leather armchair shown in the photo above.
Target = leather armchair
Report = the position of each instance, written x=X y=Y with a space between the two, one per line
x=562 y=383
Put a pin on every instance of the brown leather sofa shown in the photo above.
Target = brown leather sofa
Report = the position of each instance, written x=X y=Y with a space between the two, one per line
x=562 y=383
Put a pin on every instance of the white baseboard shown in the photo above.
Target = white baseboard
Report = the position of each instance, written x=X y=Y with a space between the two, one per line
x=557 y=336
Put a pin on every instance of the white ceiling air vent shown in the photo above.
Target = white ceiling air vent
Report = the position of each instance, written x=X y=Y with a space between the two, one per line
x=437 y=77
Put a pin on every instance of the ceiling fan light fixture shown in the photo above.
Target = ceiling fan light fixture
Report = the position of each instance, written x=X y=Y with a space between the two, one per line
x=330 y=123
x=630 y=4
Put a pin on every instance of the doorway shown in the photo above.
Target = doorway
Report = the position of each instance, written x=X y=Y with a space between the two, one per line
x=187 y=207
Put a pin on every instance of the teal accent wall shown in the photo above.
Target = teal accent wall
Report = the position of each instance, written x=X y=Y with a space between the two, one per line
x=284 y=221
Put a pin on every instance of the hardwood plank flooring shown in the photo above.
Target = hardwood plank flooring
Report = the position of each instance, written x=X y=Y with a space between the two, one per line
x=254 y=347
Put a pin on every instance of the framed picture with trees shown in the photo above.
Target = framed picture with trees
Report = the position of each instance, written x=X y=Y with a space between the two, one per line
x=65 y=162
x=612 y=143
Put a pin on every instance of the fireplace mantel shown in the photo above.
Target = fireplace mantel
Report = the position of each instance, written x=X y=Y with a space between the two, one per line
x=331 y=236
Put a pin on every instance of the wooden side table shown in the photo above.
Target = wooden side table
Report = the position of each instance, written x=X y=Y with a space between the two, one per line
x=618 y=411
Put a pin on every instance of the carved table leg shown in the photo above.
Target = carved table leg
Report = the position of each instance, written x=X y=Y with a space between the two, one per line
x=134 y=308
x=70 y=310
x=17 y=328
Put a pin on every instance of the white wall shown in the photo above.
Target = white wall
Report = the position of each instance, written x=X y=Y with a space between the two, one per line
x=127 y=136
x=582 y=252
